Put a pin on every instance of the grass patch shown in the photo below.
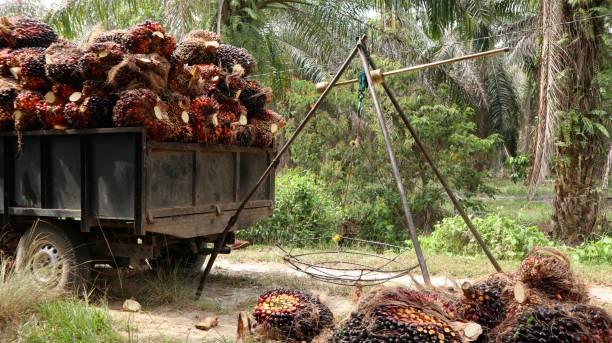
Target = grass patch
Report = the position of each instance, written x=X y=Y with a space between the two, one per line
x=69 y=321
x=439 y=265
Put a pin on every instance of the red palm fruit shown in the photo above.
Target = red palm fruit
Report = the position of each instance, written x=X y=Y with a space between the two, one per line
x=178 y=111
x=99 y=59
x=21 y=32
x=50 y=116
x=230 y=86
x=203 y=110
x=244 y=135
x=114 y=36
x=255 y=98
x=99 y=110
x=7 y=119
x=25 y=110
x=262 y=132
x=198 y=47
x=75 y=118
x=8 y=91
x=62 y=92
x=236 y=60
x=142 y=107
x=27 y=66
x=62 y=63
x=278 y=120
x=5 y=57
x=149 y=37
x=228 y=119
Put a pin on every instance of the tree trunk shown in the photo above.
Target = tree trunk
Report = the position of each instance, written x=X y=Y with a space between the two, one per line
x=579 y=148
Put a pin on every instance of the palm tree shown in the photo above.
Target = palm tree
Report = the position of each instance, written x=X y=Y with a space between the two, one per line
x=571 y=128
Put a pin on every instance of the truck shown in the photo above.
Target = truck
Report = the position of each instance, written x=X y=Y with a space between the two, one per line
x=81 y=198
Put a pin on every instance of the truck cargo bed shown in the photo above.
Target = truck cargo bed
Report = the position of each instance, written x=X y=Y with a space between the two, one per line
x=183 y=190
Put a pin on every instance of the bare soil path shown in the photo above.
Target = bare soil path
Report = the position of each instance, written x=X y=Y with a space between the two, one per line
x=234 y=287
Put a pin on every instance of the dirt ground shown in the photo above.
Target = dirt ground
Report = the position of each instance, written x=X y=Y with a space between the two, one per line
x=170 y=310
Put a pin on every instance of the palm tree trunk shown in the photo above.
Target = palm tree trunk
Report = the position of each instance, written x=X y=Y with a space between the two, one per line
x=575 y=95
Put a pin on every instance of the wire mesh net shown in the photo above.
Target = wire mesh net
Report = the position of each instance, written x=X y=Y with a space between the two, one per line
x=348 y=261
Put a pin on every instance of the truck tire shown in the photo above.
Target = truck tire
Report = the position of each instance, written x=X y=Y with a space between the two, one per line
x=56 y=256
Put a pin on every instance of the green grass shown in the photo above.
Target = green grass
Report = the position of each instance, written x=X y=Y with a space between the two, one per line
x=438 y=264
x=69 y=321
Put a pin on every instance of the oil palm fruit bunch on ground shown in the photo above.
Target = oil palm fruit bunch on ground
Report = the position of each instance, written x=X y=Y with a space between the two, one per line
x=483 y=302
x=291 y=315
x=548 y=324
x=62 y=63
x=549 y=271
x=18 y=32
x=147 y=38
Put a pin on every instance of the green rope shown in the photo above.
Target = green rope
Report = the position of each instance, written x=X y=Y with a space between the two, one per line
x=363 y=85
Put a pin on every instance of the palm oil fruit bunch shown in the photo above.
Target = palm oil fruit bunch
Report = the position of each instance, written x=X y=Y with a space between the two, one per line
x=255 y=98
x=62 y=63
x=25 y=114
x=482 y=303
x=18 y=32
x=549 y=271
x=595 y=319
x=203 y=113
x=278 y=306
x=142 y=107
x=544 y=324
x=291 y=315
x=147 y=38
x=99 y=58
x=27 y=66
x=198 y=47
x=412 y=323
x=236 y=60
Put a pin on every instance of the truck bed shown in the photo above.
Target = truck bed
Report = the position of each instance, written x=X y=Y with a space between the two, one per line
x=117 y=176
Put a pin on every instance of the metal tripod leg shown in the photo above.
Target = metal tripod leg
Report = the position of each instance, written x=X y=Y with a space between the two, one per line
x=395 y=169
x=234 y=219
x=435 y=169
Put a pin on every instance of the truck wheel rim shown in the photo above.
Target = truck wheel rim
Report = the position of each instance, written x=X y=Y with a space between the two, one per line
x=46 y=264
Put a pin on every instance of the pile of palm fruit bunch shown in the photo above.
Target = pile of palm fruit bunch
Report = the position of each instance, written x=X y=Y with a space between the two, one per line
x=194 y=90
x=290 y=316
x=403 y=315
x=542 y=302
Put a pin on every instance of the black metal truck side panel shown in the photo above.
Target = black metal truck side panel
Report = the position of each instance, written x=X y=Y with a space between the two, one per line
x=184 y=190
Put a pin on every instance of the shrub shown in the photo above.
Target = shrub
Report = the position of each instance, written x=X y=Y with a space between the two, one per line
x=506 y=238
x=304 y=210
x=594 y=252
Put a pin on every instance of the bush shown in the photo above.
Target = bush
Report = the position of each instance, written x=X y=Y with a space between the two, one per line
x=505 y=237
x=594 y=252
x=304 y=210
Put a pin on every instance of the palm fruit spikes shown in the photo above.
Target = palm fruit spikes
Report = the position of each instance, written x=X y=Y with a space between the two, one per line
x=149 y=37
x=236 y=60
x=18 y=32
x=62 y=63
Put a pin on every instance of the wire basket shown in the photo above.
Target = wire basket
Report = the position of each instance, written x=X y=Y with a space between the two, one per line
x=346 y=265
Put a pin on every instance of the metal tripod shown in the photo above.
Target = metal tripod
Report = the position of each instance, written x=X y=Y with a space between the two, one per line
x=367 y=63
